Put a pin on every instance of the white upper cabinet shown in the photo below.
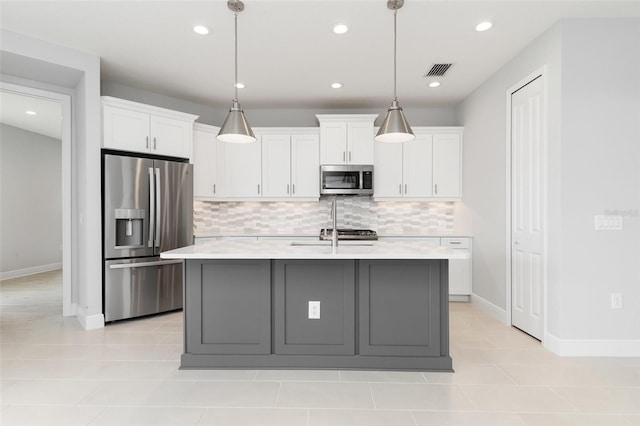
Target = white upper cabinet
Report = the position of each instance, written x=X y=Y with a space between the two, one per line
x=447 y=170
x=208 y=162
x=426 y=168
x=243 y=171
x=276 y=165
x=290 y=164
x=136 y=127
x=346 y=138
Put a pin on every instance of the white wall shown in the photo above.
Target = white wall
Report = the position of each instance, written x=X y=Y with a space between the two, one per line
x=30 y=202
x=37 y=62
x=600 y=173
x=271 y=117
x=593 y=100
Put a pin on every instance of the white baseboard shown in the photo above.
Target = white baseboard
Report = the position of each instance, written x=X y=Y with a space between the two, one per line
x=459 y=298
x=489 y=308
x=90 y=322
x=30 y=271
x=583 y=347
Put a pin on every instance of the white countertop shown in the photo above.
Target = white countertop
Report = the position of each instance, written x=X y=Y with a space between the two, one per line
x=283 y=249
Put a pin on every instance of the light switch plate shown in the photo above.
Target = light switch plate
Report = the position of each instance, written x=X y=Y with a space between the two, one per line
x=314 y=309
x=608 y=223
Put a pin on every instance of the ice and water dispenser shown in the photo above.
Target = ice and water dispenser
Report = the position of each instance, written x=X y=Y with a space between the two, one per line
x=129 y=228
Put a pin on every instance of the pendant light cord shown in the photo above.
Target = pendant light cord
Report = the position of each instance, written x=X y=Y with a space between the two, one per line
x=395 y=13
x=235 y=84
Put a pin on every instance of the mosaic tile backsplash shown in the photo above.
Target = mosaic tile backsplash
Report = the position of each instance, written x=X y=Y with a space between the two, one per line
x=299 y=218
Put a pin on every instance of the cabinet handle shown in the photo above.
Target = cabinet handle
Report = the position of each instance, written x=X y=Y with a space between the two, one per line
x=214 y=188
x=344 y=156
x=155 y=145
x=349 y=156
x=147 y=142
x=293 y=187
x=436 y=188
x=287 y=188
x=405 y=188
x=400 y=188
x=258 y=188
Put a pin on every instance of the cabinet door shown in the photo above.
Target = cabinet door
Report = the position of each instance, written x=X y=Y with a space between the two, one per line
x=446 y=165
x=171 y=137
x=243 y=175
x=333 y=143
x=400 y=307
x=276 y=165
x=459 y=269
x=387 y=173
x=305 y=166
x=360 y=143
x=125 y=130
x=331 y=283
x=208 y=165
x=417 y=167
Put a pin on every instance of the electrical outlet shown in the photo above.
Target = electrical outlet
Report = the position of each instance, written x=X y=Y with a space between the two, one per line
x=616 y=300
x=314 y=309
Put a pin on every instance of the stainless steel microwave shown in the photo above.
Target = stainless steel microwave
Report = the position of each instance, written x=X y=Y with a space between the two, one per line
x=342 y=179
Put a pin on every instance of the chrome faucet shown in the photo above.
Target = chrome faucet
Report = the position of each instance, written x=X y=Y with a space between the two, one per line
x=334 y=216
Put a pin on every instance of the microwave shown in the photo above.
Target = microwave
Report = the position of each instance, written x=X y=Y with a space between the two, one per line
x=342 y=179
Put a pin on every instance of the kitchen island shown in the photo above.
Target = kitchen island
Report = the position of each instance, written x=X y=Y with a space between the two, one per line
x=306 y=304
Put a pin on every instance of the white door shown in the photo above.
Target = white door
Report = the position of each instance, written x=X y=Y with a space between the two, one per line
x=243 y=174
x=170 y=137
x=126 y=130
x=333 y=143
x=527 y=198
x=360 y=143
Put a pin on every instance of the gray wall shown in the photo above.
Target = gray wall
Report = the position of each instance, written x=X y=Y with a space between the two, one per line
x=593 y=169
x=30 y=200
x=271 y=117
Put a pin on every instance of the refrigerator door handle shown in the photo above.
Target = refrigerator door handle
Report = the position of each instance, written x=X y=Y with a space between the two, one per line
x=144 y=264
x=158 y=207
x=152 y=206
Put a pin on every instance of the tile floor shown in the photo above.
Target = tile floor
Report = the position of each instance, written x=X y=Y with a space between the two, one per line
x=54 y=373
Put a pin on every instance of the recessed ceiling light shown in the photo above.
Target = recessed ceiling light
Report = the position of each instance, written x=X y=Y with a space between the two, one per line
x=434 y=84
x=340 y=28
x=31 y=113
x=484 y=26
x=239 y=85
x=336 y=85
x=201 y=29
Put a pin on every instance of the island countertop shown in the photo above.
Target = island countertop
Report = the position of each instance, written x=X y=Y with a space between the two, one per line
x=305 y=249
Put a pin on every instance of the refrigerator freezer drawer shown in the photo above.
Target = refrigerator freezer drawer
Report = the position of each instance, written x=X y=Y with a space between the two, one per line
x=140 y=287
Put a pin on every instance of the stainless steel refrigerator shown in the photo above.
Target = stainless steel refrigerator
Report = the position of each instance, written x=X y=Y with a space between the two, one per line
x=147 y=209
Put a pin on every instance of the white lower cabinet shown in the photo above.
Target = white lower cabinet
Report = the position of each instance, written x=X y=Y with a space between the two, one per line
x=459 y=269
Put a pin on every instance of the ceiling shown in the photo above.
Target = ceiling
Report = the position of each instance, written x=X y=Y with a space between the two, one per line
x=288 y=54
x=46 y=121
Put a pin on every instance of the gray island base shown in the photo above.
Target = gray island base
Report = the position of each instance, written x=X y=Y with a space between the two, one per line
x=374 y=314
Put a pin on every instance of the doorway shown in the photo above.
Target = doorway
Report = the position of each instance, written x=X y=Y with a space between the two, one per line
x=55 y=103
x=527 y=195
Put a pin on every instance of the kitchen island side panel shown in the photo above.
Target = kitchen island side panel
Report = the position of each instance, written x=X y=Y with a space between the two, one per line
x=399 y=307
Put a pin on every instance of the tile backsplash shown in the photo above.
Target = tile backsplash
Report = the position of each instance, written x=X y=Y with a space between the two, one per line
x=213 y=218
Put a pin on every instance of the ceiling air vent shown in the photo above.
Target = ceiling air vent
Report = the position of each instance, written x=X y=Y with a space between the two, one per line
x=438 y=70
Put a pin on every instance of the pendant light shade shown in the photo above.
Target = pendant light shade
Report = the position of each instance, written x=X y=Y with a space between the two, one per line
x=394 y=127
x=235 y=128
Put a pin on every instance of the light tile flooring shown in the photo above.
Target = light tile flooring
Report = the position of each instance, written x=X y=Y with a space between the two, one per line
x=54 y=373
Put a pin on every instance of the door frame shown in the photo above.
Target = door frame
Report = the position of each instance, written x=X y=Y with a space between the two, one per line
x=68 y=229
x=542 y=74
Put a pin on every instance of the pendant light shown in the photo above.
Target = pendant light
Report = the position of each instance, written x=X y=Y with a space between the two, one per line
x=235 y=128
x=394 y=127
